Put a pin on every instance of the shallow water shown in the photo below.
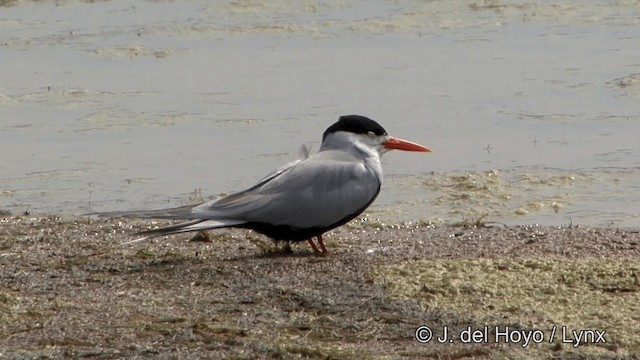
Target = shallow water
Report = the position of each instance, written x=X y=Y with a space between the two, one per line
x=531 y=108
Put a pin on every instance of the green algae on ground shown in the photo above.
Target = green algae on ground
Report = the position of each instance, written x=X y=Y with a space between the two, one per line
x=580 y=294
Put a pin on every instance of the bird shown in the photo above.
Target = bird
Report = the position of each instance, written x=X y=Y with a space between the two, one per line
x=302 y=199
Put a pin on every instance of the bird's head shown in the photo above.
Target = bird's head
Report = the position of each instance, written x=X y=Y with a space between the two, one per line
x=362 y=132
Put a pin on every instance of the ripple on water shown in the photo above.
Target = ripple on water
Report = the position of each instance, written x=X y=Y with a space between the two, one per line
x=524 y=195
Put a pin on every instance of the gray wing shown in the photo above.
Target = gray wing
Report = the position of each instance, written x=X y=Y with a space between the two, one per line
x=317 y=192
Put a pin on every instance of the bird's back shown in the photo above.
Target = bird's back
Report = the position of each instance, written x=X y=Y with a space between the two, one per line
x=316 y=194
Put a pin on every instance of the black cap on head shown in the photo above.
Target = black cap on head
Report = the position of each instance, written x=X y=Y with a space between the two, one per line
x=356 y=124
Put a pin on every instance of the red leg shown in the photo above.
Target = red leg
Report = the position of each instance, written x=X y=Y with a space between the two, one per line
x=324 y=249
x=313 y=246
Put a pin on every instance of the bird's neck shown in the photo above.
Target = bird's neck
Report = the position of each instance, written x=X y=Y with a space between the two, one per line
x=353 y=148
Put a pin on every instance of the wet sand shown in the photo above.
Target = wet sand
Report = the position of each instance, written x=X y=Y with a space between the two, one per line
x=69 y=290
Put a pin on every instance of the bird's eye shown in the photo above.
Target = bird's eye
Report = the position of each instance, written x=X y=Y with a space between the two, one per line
x=371 y=134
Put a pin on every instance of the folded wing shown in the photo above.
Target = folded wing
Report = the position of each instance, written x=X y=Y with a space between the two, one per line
x=317 y=192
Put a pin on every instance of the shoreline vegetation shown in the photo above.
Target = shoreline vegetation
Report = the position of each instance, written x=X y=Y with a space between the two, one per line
x=69 y=289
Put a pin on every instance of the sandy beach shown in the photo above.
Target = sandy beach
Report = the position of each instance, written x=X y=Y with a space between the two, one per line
x=68 y=289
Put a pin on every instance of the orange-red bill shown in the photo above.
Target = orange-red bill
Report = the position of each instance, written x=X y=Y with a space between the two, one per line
x=399 y=144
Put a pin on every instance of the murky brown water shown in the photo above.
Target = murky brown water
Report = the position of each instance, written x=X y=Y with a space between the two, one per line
x=532 y=108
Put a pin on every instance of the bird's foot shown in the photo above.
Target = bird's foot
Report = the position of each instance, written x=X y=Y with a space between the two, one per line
x=318 y=252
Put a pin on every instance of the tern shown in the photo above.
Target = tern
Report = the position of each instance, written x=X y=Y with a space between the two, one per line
x=304 y=198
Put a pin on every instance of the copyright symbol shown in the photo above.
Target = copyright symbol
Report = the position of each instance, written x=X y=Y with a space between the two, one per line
x=423 y=334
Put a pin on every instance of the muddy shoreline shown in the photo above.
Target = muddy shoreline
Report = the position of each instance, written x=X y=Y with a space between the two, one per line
x=68 y=289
